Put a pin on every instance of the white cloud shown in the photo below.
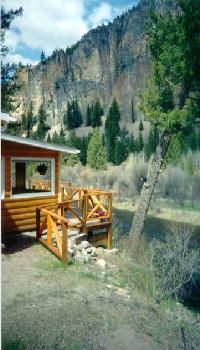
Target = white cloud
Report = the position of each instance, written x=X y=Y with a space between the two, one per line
x=100 y=14
x=16 y=58
x=51 y=24
x=48 y=24
x=105 y=13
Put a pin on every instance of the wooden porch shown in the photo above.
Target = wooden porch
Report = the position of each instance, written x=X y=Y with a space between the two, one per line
x=86 y=210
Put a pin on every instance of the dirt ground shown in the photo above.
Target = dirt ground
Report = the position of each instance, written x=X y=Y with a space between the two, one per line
x=48 y=306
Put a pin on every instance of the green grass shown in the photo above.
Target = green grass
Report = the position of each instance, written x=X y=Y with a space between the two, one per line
x=89 y=274
x=13 y=345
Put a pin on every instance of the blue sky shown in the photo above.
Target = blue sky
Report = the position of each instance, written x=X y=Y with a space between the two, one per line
x=50 y=24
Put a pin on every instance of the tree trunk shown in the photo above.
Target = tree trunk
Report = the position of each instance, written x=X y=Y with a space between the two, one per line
x=148 y=189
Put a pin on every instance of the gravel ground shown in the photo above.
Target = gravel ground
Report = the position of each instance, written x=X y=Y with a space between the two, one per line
x=48 y=306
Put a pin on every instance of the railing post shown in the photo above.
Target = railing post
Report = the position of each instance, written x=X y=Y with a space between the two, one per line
x=110 y=219
x=64 y=243
x=37 y=223
x=49 y=231
x=85 y=209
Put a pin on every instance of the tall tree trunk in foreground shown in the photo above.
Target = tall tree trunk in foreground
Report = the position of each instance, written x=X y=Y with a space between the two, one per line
x=148 y=189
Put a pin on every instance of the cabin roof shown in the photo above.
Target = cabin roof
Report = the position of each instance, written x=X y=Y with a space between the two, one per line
x=39 y=144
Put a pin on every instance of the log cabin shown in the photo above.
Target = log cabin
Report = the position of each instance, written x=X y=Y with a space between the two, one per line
x=29 y=179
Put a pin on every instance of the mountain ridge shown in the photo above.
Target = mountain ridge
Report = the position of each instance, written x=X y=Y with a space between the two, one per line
x=109 y=61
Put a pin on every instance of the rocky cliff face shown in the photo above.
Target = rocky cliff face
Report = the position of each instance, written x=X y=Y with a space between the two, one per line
x=109 y=61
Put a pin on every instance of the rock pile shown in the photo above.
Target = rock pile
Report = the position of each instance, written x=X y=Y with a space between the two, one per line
x=83 y=252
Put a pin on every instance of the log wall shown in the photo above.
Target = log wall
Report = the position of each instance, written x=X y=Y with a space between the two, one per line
x=19 y=214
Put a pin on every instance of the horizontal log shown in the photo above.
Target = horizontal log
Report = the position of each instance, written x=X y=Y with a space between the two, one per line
x=8 y=203
x=18 y=229
x=18 y=217
x=15 y=211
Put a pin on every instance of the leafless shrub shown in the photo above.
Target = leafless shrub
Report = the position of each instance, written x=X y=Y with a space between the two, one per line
x=176 y=262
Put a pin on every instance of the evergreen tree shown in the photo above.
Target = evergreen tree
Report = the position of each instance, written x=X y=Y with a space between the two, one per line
x=8 y=71
x=132 y=145
x=88 y=116
x=48 y=138
x=29 y=122
x=42 y=57
x=72 y=160
x=41 y=128
x=112 y=130
x=97 y=113
x=141 y=126
x=62 y=136
x=193 y=139
x=132 y=112
x=69 y=119
x=121 y=151
x=172 y=97
x=96 y=157
x=55 y=138
x=139 y=143
x=77 y=114
x=175 y=149
x=65 y=120
x=152 y=142
x=198 y=139
x=74 y=118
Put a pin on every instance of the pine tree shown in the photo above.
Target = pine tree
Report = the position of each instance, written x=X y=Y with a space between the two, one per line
x=29 y=121
x=69 y=119
x=141 y=126
x=198 y=139
x=42 y=57
x=65 y=120
x=132 y=145
x=175 y=149
x=62 y=136
x=97 y=113
x=112 y=130
x=55 y=138
x=96 y=157
x=193 y=141
x=8 y=71
x=48 y=138
x=77 y=115
x=72 y=160
x=41 y=128
x=139 y=143
x=132 y=112
x=121 y=151
x=73 y=118
x=88 y=116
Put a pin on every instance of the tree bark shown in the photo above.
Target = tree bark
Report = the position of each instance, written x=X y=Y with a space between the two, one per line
x=148 y=189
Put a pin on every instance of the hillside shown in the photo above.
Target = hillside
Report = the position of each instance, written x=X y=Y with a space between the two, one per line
x=109 y=61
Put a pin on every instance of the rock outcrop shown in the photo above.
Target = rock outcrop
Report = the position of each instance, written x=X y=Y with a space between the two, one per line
x=109 y=61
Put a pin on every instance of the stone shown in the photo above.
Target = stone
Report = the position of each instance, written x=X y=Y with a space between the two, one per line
x=89 y=250
x=101 y=263
x=85 y=244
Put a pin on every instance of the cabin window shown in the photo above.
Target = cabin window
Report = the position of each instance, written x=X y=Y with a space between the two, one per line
x=32 y=177
x=2 y=178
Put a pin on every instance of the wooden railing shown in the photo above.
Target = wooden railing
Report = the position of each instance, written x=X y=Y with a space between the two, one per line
x=93 y=203
x=54 y=227
x=78 y=208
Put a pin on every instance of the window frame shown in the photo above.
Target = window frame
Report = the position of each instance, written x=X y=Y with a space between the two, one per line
x=38 y=194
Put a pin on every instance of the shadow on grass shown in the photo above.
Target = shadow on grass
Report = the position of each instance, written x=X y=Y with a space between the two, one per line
x=17 y=242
